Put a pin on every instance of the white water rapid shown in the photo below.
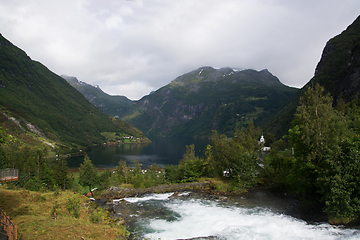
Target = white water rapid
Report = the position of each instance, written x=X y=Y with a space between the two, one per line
x=187 y=217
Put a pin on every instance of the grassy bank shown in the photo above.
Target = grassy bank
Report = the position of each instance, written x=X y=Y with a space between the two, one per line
x=32 y=213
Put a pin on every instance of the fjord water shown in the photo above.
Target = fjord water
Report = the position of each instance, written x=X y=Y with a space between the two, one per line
x=161 y=151
x=255 y=215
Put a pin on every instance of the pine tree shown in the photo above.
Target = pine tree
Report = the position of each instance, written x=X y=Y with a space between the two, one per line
x=88 y=174
x=61 y=173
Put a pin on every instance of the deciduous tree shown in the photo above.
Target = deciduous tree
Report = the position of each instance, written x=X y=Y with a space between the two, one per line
x=327 y=160
x=237 y=156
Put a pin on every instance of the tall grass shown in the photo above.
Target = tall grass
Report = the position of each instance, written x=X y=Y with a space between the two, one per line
x=32 y=212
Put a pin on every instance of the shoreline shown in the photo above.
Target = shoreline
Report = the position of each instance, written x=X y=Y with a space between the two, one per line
x=120 y=192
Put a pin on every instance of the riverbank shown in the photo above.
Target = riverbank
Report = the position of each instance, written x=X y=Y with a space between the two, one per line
x=121 y=192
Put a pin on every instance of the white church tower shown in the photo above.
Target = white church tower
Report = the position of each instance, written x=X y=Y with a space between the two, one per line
x=262 y=144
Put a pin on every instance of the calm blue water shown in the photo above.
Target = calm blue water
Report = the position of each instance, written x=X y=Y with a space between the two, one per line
x=161 y=151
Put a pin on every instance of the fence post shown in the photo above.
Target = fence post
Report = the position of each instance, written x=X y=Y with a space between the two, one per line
x=9 y=232
x=4 y=221
x=7 y=226
x=1 y=220
x=15 y=232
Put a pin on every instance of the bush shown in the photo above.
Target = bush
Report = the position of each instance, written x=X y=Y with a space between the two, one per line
x=34 y=184
x=73 y=207
x=190 y=168
x=98 y=215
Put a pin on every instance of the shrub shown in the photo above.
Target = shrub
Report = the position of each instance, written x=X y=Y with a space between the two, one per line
x=73 y=207
x=98 y=215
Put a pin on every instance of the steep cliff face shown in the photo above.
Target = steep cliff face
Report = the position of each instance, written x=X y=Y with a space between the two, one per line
x=111 y=105
x=338 y=71
x=339 y=68
x=208 y=99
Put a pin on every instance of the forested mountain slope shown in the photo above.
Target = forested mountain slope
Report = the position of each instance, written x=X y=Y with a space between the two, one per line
x=46 y=104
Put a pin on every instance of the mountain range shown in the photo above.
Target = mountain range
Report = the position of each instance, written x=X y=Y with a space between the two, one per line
x=197 y=102
x=220 y=99
x=206 y=99
x=44 y=105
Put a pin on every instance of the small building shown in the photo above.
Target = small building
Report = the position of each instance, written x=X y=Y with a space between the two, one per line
x=9 y=174
x=262 y=144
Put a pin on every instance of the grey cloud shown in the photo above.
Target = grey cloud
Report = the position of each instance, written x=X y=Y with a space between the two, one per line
x=133 y=47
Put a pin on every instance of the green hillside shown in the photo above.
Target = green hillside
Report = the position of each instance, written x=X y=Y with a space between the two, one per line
x=32 y=94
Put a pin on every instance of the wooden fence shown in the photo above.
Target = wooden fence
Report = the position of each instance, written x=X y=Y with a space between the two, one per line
x=7 y=226
x=9 y=174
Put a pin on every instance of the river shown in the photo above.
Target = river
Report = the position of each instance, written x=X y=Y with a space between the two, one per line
x=257 y=215
x=161 y=151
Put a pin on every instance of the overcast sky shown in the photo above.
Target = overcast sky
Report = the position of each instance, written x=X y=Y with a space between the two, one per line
x=132 y=47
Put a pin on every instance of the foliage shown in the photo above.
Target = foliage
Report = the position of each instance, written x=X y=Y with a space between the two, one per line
x=104 y=179
x=189 y=169
x=2 y=136
x=323 y=165
x=278 y=168
x=219 y=184
x=236 y=158
x=98 y=215
x=37 y=172
x=122 y=172
x=5 y=138
x=61 y=173
x=88 y=174
x=2 y=158
x=32 y=213
x=315 y=133
x=73 y=207
x=339 y=184
x=154 y=176
x=233 y=159
x=34 y=184
x=136 y=176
